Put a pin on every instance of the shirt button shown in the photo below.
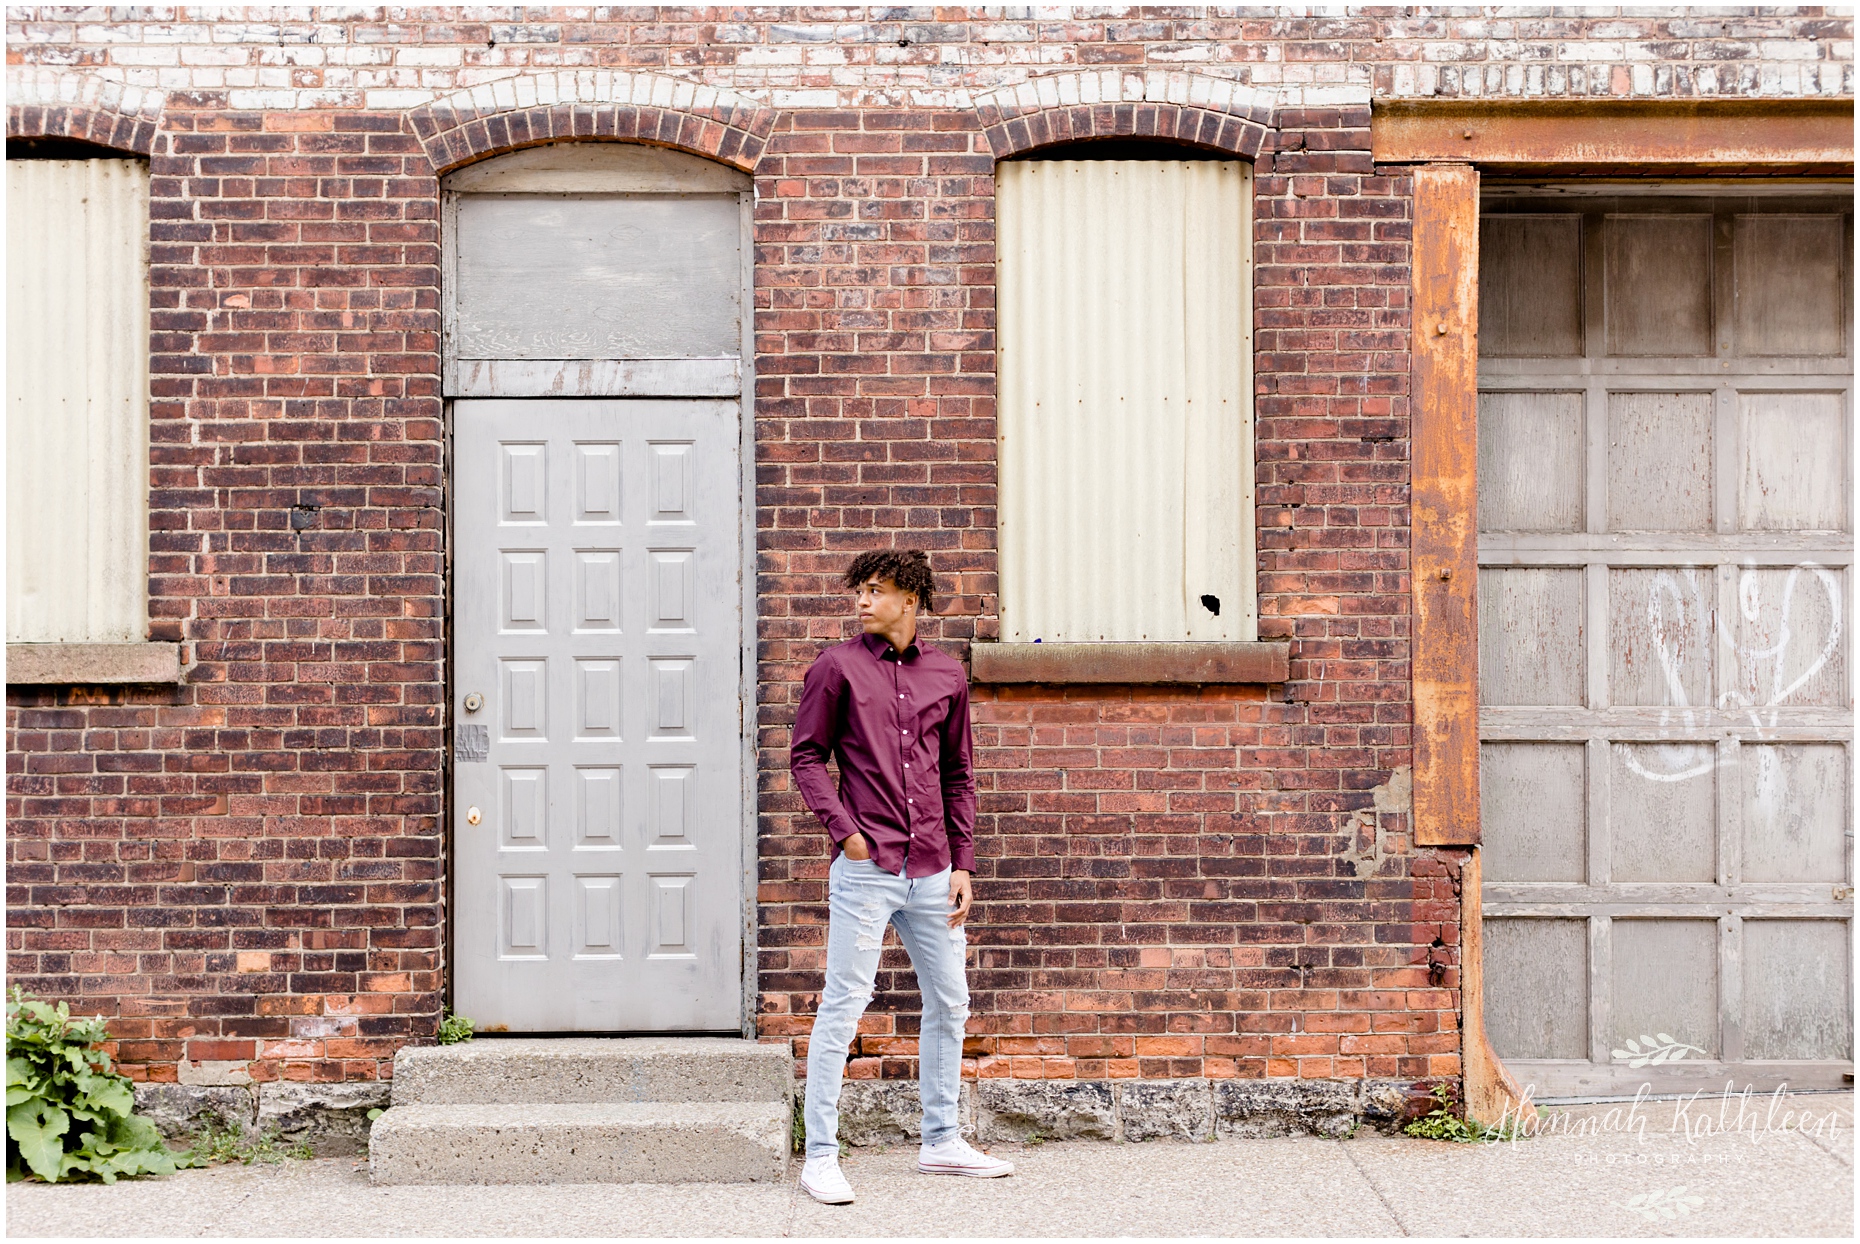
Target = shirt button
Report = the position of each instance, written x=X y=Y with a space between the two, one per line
x=905 y=733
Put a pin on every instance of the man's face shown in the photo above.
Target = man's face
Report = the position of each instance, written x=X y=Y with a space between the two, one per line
x=882 y=606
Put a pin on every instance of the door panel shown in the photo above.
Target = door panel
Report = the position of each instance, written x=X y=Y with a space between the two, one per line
x=1666 y=718
x=597 y=588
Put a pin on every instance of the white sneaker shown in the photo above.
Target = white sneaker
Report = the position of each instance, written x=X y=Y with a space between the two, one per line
x=955 y=1157
x=821 y=1179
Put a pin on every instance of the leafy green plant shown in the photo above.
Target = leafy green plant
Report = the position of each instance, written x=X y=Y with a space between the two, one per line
x=454 y=1028
x=214 y=1145
x=68 y=1114
x=1447 y=1121
x=1444 y=1121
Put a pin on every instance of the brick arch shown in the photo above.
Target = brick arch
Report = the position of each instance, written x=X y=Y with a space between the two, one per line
x=525 y=111
x=49 y=103
x=1183 y=107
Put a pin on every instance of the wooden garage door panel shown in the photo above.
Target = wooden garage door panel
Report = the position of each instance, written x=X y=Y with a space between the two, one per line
x=1661 y=635
x=1533 y=819
x=1656 y=285
x=1530 y=461
x=1531 y=636
x=1530 y=285
x=1796 y=812
x=1794 y=448
x=1665 y=713
x=1537 y=995
x=1790 y=298
x=1659 y=461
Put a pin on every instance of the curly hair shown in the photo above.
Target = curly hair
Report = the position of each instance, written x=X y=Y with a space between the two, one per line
x=908 y=568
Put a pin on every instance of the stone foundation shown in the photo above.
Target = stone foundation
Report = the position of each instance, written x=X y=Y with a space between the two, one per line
x=886 y=1112
x=331 y=1118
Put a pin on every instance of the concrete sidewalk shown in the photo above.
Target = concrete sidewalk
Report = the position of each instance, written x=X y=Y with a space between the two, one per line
x=1616 y=1178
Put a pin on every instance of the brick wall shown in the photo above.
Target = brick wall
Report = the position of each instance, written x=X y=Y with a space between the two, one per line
x=248 y=869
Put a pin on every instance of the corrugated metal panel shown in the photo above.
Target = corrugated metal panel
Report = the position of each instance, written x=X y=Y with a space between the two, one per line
x=1126 y=410
x=77 y=339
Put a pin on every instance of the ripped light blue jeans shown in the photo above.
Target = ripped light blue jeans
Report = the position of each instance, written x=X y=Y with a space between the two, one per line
x=861 y=899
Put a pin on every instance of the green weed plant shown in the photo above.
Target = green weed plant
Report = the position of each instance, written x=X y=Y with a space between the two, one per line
x=215 y=1145
x=69 y=1115
x=454 y=1028
x=1446 y=1121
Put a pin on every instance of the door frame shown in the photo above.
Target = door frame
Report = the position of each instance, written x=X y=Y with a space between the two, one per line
x=746 y=546
x=1448 y=143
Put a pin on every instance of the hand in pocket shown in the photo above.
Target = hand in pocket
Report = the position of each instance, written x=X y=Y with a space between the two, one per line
x=856 y=847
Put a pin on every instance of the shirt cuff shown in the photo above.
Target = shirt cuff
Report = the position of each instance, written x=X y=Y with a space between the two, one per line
x=963 y=861
x=841 y=828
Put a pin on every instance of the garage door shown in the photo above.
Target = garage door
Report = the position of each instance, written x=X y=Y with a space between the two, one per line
x=1666 y=550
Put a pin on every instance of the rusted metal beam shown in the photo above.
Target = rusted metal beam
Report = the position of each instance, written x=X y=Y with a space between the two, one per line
x=1176 y=661
x=1619 y=135
x=1444 y=504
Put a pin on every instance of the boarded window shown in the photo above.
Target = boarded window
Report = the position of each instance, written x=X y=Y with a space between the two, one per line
x=1126 y=415
x=77 y=333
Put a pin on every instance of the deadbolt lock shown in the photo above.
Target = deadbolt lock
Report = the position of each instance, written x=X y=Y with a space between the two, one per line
x=474 y=702
x=473 y=816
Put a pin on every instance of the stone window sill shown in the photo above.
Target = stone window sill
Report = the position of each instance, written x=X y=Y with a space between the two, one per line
x=1177 y=661
x=89 y=665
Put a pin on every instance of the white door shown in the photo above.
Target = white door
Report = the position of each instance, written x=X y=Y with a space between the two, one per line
x=595 y=343
x=597 y=811
x=1665 y=621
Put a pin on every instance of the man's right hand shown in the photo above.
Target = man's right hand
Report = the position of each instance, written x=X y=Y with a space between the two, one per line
x=856 y=847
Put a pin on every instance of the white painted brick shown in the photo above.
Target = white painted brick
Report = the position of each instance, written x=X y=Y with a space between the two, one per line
x=143 y=55
x=1788 y=49
x=427 y=56
x=222 y=56
x=90 y=33
x=397 y=98
x=783 y=54
x=827 y=98
x=189 y=33
x=262 y=101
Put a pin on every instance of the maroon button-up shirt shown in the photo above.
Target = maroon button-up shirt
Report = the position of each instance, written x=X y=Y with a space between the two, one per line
x=898 y=723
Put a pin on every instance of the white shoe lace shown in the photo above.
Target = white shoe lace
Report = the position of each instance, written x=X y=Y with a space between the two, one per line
x=956 y=1147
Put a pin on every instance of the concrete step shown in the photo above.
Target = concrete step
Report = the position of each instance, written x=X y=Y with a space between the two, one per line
x=589 y=1070
x=584 y=1143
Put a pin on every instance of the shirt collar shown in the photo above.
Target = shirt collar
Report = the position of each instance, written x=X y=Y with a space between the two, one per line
x=880 y=648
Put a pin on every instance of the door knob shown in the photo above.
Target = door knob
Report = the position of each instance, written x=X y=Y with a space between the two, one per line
x=474 y=702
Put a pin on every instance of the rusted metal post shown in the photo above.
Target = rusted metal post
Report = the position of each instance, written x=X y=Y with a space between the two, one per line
x=1444 y=505
x=1446 y=578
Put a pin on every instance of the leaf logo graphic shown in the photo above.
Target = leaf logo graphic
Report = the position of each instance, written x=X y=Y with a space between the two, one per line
x=1654 y=1050
x=1668 y=1204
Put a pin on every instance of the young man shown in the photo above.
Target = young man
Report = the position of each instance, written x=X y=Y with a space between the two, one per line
x=895 y=714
